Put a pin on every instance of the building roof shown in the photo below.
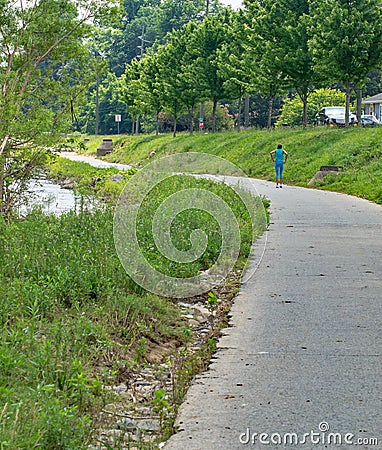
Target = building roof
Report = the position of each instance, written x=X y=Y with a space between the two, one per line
x=375 y=99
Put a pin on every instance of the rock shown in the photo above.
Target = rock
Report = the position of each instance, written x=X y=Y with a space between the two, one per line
x=193 y=323
x=116 y=177
x=202 y=312
x=127 y=424
x=185 y=305
x=319 y=176
x=67 y=183
x=158 y=352
x=149 y=425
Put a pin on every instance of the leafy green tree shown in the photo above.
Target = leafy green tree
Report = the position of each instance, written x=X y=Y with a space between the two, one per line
x=171 y=80
x=181 y=85
x=204 y=45
x=44 y=68
x=234 y=63
x=347 y=41
x=140 y=88
x=292 y=110
x=266 y=77
x=130 y=92
x=149 y=95
x=169 y=63
x=282 y=30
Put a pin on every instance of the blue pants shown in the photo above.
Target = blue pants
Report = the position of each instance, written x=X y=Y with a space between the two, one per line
x=279 y=167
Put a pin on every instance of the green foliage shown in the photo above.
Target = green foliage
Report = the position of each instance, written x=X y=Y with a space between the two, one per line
x=346 y=42
x=185 y=222
x=293 y=108
x=67 y=306
x=164 y=408
x=45 y=67
x=212 y=300
x=347 y=39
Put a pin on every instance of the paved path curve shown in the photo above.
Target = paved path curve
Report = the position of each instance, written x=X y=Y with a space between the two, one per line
x=304 y=349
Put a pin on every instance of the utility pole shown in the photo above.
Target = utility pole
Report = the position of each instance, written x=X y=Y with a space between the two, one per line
x=142 y=46
x=143 y=42
x=97 y=106
x=140 y=56
x=201 y=113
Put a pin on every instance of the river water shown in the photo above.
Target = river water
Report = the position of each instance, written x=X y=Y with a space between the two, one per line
x=52 y=198
x=93 y=161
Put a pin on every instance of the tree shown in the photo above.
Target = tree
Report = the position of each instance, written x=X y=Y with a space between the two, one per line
x=282 y=27
x=44 y=67
x=150 y=88
x=172 y=93
x=266 y=77
x=347 y=42
x=204 y=46
x=233 y=63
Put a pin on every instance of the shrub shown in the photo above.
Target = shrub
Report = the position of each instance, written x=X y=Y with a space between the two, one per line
x=292 y=110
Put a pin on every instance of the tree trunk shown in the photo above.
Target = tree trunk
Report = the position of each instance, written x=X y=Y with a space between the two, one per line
x=305 y=111
x=214 y=116
x=239 y=114
x=246 y=111
x=137 y=126
x=174 y=129
x=97 y=106
x=359 y=105
x=2 y=170
x=347 y=105
x=175 y=119
x=157 y=125
x=132 y=125
x=191 y=120
x=270 y=112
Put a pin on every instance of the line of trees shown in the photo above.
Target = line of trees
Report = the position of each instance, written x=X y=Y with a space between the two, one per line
x=64 y=61
x=271 y=47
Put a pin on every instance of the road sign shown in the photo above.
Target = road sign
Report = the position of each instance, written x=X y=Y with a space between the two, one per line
x=118 y=117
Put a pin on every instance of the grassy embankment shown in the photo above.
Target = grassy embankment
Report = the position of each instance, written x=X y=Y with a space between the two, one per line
x=358 y=150
x=72 y=320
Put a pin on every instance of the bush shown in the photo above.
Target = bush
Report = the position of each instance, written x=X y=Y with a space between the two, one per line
x=292 y=110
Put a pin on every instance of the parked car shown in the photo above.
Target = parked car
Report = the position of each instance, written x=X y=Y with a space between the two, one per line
x=334 y=115
x=369 y=120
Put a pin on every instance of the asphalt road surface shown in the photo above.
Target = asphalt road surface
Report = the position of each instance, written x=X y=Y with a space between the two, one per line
x=301 y=365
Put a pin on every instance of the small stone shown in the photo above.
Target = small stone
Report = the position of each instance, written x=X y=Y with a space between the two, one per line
x=127 y=424
x=116 y=177
x=193 y=323
x=202 y=312
x=148 y=425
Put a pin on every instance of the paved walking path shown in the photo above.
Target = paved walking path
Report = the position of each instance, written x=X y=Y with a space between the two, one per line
x=304 y=350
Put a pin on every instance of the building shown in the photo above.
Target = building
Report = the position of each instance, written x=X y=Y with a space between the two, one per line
x=373 y=106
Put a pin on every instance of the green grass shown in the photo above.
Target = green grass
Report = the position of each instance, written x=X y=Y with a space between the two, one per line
x=358 y=150
x=71 y=318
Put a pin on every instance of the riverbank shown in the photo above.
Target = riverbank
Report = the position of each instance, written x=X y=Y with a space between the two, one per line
x=93 y=357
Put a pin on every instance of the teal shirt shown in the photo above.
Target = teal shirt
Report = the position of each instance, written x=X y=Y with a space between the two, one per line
x=279 y=156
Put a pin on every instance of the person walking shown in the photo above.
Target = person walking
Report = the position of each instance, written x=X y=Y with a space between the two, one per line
x=279 y=157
